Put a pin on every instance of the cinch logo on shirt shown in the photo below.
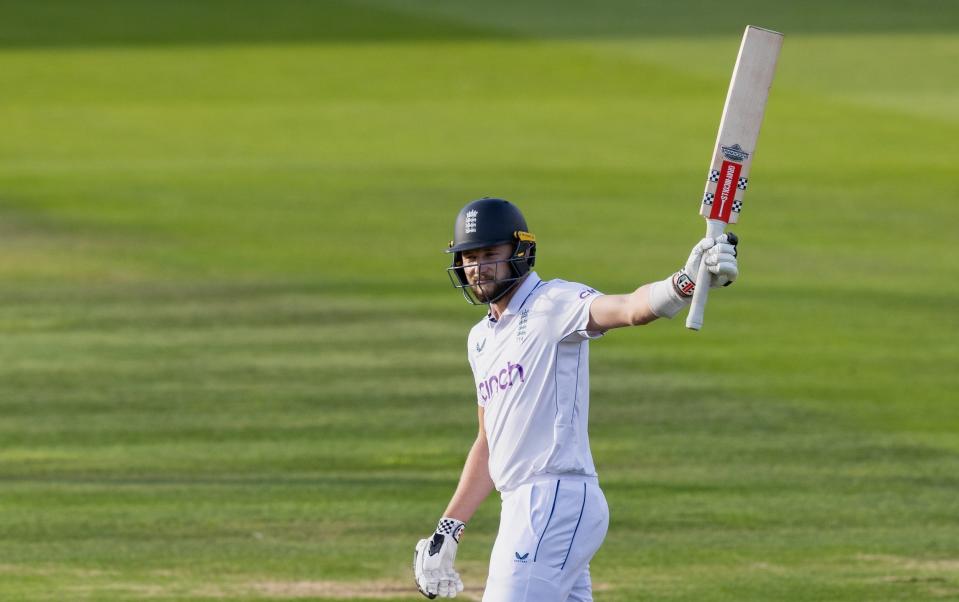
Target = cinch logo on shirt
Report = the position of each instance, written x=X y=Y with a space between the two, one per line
x=500 y=381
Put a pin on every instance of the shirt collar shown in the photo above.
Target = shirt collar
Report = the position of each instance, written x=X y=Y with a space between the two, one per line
x=519 y=298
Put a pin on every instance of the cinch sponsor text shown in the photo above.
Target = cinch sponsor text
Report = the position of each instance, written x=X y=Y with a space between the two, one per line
x=500 y=381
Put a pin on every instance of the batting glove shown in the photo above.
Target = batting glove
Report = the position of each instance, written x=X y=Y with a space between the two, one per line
x=433 y=561
x=720 y=257
x=668 y=297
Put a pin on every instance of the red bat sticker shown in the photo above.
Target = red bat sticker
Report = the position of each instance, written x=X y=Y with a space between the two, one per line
x=725 y=190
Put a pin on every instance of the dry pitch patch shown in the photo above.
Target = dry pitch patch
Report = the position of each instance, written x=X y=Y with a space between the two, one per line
x=938 y=577
x=325 y=589
x=88 y=584
x=80 y=584
x=272 y=590
x=280 y=590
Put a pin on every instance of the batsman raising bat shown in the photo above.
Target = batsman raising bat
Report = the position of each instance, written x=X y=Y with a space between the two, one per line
x=530 y=361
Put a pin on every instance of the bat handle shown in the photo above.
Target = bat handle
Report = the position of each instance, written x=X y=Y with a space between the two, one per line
x=694 y=319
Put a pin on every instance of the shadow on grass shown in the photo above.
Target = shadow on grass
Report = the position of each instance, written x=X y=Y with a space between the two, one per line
x=66 y=23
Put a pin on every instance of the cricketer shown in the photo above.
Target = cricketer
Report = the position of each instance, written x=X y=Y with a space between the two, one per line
x=530 y=361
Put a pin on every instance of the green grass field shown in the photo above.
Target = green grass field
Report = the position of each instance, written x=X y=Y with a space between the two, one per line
x=232 y=366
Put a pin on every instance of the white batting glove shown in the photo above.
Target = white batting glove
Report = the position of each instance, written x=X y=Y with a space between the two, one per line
x=720 y=256
x=433 y=561
x=668 y=297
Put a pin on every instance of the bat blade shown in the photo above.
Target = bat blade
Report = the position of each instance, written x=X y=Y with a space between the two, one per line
x=732 y=157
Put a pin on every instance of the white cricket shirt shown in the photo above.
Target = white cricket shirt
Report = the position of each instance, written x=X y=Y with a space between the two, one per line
x=531 y=369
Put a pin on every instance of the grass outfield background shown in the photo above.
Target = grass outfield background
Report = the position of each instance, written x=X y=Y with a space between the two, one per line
x=231 y=365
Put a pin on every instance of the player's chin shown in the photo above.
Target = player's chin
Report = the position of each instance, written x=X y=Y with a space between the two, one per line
x=480 y=292
x=486 y=291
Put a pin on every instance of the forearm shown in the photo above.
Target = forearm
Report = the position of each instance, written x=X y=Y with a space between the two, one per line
x=639 y=310
x=475 y=483
x=617 y=311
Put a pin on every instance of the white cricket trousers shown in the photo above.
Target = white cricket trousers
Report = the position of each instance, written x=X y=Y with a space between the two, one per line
x=549 y=530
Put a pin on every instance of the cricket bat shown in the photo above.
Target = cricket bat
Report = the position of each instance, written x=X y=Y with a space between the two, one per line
x=733 y=154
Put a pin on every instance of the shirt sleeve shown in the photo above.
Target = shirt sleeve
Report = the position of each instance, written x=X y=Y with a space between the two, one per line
x=570 y=312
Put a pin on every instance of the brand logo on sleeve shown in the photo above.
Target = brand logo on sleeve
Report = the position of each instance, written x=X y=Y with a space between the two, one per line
x=480 y=346
x=524 y=558
x=511 y=374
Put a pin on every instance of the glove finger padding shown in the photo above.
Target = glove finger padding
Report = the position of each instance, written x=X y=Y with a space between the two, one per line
x=419 y=573
x=448 y=588
x=722 y=248
x=724 y=273
x=719 y=255
x=721 y=260
x=434 y=558
x=725 y=265
x=718 y=258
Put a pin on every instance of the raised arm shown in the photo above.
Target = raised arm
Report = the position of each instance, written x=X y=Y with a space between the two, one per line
x=615 y=311
x=666 y=298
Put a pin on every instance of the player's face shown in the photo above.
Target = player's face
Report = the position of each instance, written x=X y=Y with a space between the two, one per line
x=484 y=267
